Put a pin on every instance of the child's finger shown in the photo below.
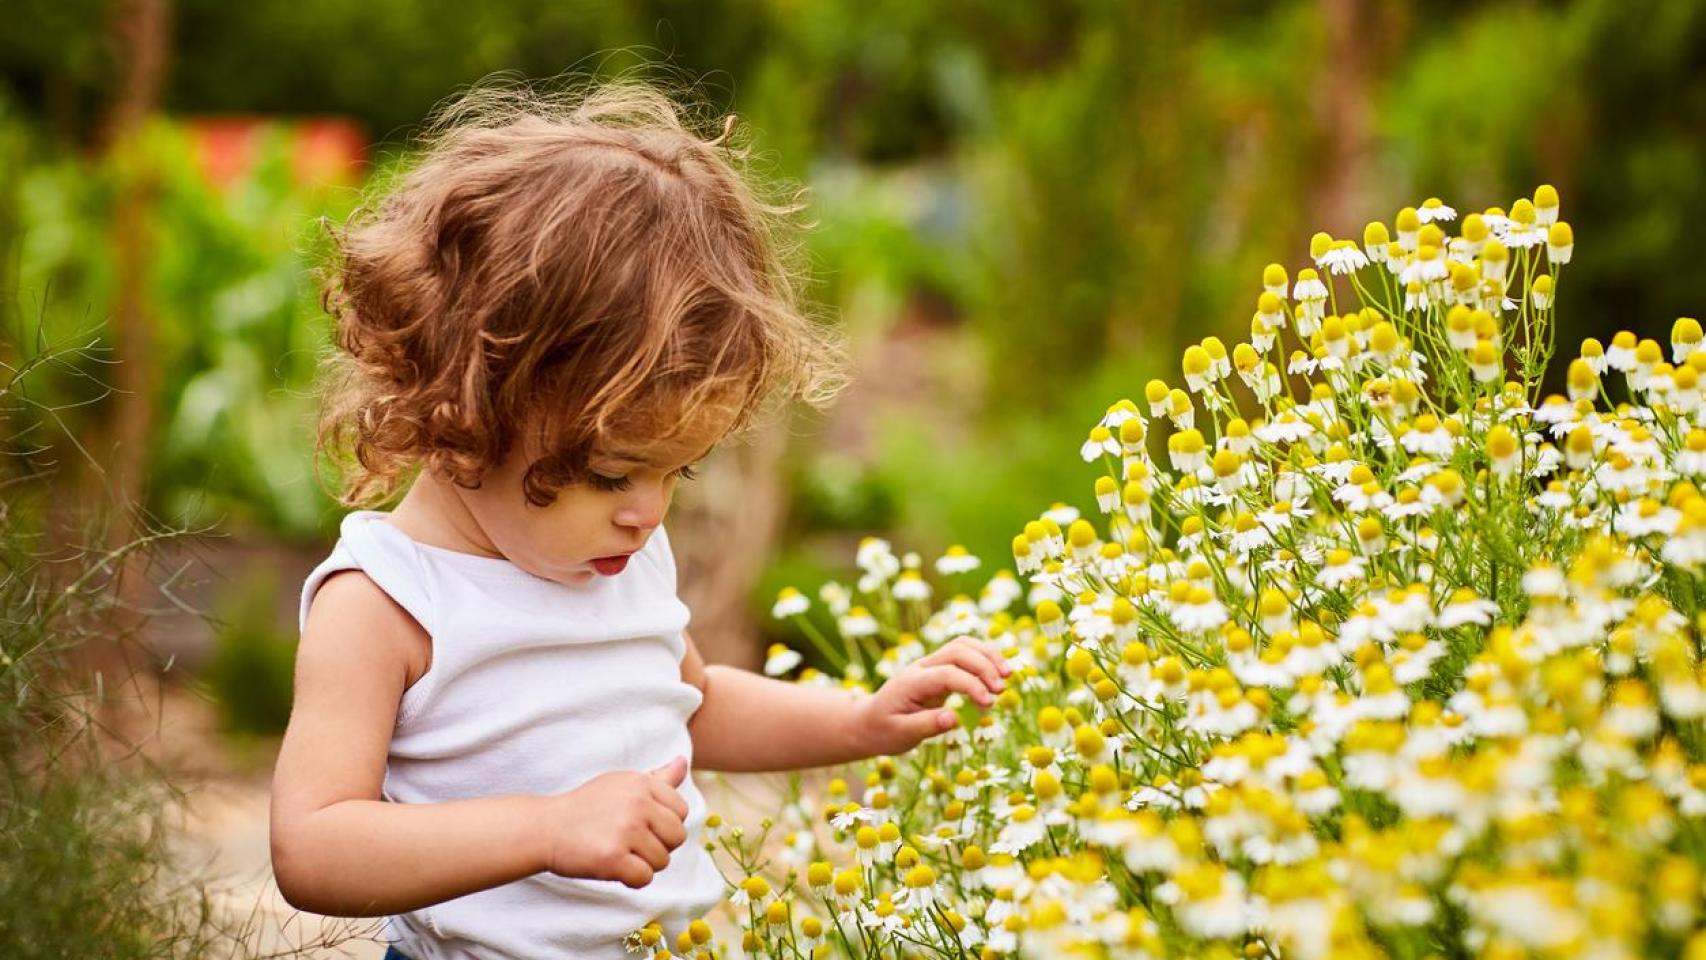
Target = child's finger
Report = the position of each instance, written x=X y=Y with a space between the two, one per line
x=672 y=772
x=928 y=723
x=650 y=848
x=994 y=655
x=935 y=683
x=669 y=797
x=634 y=871
x=667 y=827
x=973 y=658
x=989 y=652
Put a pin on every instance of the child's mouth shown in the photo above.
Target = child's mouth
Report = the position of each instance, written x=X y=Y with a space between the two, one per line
x=610 y=566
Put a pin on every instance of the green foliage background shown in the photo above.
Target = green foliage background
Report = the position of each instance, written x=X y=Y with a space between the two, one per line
x=1072 y=190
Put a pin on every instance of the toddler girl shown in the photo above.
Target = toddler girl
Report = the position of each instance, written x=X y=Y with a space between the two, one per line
x=557 y=311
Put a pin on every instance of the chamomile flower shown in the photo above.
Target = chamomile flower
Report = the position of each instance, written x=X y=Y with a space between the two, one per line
x=836 y=597
x=911 y=587
x=1545 y=205
x=1343 y=257
x=1281 y=598
x=1560 y=243
x=1342 y=567
x=857 y=623
x=1023 y=830
x=779 y=660
x=1209 y=900
x=1685 y=338
x=1434 y=210
x=1195 y=609
x=790 y=602
x=1100 y=443
x=1466 y=607
x=956 y=560
x=877 y=558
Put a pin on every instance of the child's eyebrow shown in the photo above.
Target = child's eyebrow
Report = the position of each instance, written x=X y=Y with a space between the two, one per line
x=620 y=460
x=616 y=458
x=628 y=459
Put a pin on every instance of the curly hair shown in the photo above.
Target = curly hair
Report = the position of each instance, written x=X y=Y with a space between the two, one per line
x=575 y=270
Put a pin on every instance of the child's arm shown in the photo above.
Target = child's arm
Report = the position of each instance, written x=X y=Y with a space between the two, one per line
x=749 y=722
x=338 y=849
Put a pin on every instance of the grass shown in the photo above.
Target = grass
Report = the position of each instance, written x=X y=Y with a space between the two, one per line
x=87 y=864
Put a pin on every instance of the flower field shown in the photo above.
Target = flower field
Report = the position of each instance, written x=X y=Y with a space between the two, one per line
x=1389 y=654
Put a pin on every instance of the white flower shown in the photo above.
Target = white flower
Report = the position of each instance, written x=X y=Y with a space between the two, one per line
x=1288 y=427
x=877 y=558
x=1343 y=257
x=836 y=597
x=1430 y=438
x=790 y=603
x=1466 y=607
x=1433 y=209
x=1102 y=442
x=1023 y=830
x=1309 y=287
x=1643 y=517
x=911 y=587
x=780 y=660
x=1527 y=913
x=1209 y=901
x=1342 y=567
x=858 y=622
x=957 y=560
x=1061 y=514
x=1200 y=614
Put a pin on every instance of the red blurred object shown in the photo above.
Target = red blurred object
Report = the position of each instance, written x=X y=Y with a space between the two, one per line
x=225 y=146
x=323 y=150
x=328 y=150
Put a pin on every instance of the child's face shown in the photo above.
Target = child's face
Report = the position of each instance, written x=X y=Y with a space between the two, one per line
x=590 y=529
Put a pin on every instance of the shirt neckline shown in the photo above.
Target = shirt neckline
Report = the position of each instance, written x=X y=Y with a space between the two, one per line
x=457 y=558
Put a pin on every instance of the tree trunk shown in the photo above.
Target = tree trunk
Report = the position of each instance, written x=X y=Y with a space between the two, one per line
x=140 y=33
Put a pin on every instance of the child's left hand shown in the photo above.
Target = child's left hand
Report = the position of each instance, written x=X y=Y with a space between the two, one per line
x=908 y=708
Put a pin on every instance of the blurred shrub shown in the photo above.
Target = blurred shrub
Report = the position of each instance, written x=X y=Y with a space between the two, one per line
x=836 y=492
x=250 y=671
x=85 y=864
x=236 y=327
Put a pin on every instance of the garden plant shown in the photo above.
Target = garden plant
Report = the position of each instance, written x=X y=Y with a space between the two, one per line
x=1391 y=653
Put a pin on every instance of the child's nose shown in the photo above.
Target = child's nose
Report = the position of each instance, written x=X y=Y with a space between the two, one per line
x=644 y=507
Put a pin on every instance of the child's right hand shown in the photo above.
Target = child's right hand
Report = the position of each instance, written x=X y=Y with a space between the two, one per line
x=618 y=826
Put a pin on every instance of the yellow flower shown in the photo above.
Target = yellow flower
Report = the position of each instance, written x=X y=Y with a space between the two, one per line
x=1375 y=240
x=1541 y=291
x=1560 y=242
x=1503 y=449
x=819 y=874
x=1545 y=204
x=1199 y=368
x=1685 y=338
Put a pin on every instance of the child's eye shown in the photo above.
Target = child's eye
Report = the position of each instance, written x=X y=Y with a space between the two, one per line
x=603 y=482
x=615 y=484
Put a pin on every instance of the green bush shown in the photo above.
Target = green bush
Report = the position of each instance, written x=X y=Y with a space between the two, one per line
x=88 y=866
x=250 y=671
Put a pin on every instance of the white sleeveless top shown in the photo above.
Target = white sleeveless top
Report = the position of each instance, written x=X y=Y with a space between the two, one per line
x=535 y=687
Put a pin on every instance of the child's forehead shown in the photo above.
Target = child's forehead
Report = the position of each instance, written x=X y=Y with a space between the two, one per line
x=687 y=443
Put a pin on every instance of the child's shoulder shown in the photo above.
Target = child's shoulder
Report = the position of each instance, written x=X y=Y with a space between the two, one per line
x=351 y=617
